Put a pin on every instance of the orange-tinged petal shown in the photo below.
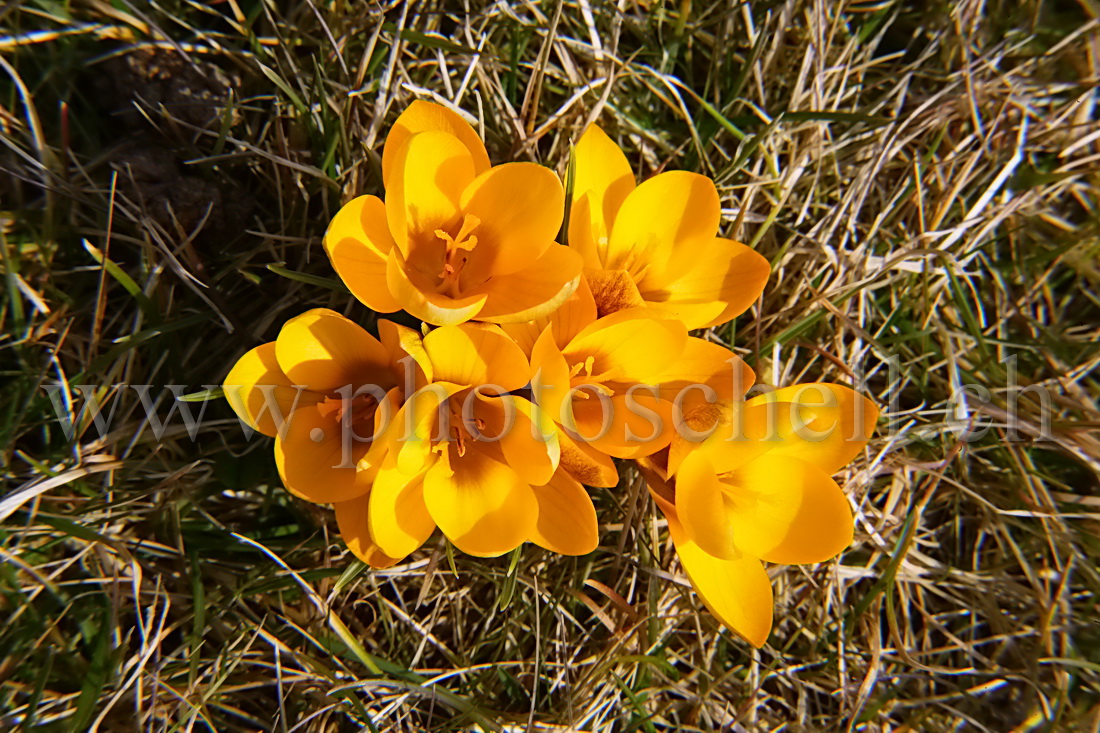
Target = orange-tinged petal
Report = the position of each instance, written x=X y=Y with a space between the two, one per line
x=532 y=292
x=481 y=504
x=422 y=116
x=628 y=425
x=358 y=243
x=628 y=346
x=706 y=363
x=585 y=463
x=549 y=375
x=566 y=518
x=477 y=354
x=405 y=348
x=613 y=290
x=703 y=509
x=843 y=420
x=351 y=518
x=422 y=302
x=520 y=206
x=708 y=285
x=416 y=425
x=422 y=193
x=603 y=181
x=260 y=393
x=398 y=518
x=577 y=312
x=325 y=351
x=784 y=510
x=317 y=462
x=524 y=433
x=673 y=213
x=737 y=592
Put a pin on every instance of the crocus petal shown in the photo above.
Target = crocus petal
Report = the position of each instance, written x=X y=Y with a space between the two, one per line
x=629 y=346
x=578 y=311
x=417 y=424
x=476 y=354
x=533 y=292
x=737 y=592
x=672 y=213
x=585 y=463
x=398 y=518
x=784 y=510
x=566 y=518
x=421 y=116
x=524 y=433
x=701 y=365
x=603 y=181
x=703 y=509
x=422 y=193
x=520 y=206
x=358 y=243
x=708 y=285
x=314 y=461
x=405 y=349
x=481 y=504
x=549 y=375
x=325 y=351
x=627 y=425
x=260 y=393
x=351 y=518
x=422 y=302
x=613 y=290
x=837 y=423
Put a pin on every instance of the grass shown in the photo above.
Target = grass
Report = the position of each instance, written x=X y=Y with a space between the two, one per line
x=923 y=178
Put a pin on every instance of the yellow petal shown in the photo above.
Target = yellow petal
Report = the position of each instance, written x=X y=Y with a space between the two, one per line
x=708 y=285
x=524 y=434
x=398 y=518
x=578 y=311
x=532 y=292
x=421 y=116
x=702 y=508
x=840 y=423
x=417 y=424
x=613 y=290
x=628 y=425
x=566 y=518
x=629 y=346
x=317 y=460
x=476 y=354
x=351 y=518
x=603 y=181
x=520 y=206
x=737 y=592
x=422 y=193
x=481 y=504
x=325 y=351
x=405 y=348
x=549 y=375
x=585 y=463
x=418 y=296
x=706 y=364
x=358 y=243
x=785 y=510
x=672 y=213
x=257 y=373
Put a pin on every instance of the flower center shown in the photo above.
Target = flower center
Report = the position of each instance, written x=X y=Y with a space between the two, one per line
x=358 y=411
x=576 y=378
x=458 y=432
x=458 y=249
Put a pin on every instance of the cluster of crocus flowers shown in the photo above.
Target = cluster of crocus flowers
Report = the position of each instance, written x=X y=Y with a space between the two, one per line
x=543 y=368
